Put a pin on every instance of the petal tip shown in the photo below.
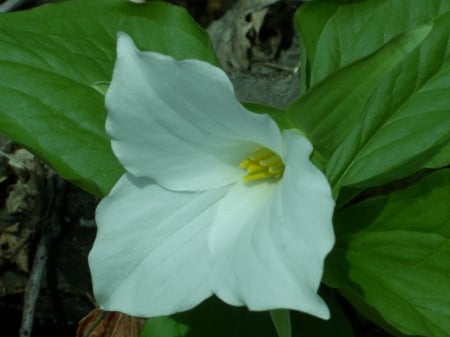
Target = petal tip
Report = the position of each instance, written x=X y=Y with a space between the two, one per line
x=124 y=42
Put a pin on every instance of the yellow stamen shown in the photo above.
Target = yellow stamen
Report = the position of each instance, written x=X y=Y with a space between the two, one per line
x=260 y=154
x=272 y=160
x=262 y=164
x=244 y=164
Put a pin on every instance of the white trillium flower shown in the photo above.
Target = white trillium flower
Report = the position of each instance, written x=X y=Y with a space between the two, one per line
x=215 y=198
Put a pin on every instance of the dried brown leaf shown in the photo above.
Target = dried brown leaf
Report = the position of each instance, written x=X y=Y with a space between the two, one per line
x=99 y=323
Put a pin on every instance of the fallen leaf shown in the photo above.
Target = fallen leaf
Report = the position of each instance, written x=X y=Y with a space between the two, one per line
x=99 y=323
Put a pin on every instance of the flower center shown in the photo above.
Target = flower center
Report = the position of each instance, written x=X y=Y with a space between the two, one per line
x=262 y=164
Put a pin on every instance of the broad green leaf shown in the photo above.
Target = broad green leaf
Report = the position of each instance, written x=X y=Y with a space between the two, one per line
x=53 y=57
x=336 y=33
x=366 y=310
x=310 y=20
x=393 y=252
x=441 y=159
x=164 y=326
x=329 y=110
x=406 y=122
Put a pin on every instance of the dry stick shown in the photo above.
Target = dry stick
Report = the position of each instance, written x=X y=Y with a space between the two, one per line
x=40 y=260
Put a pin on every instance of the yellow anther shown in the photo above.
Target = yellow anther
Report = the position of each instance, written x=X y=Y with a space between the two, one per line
x=270 y=161
x=244 y=164
x=262 y=164
x=254 y=168
x=278 y=169
x=251 y=177
x=260 y=154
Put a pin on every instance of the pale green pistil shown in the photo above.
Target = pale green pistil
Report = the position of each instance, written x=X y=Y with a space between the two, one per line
x=262 y=164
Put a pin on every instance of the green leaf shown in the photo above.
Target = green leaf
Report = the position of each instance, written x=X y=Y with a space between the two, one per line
x=53 y=57
x=165 y=327
x=395 y=257
x=329 y=110
x=336 y=33
x=310 y=20
x=441 y=159
x=366 y=310
x=406 y=122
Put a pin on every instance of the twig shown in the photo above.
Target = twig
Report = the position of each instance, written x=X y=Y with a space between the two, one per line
x=292 y=70
x=40 y=260
x=10 y=5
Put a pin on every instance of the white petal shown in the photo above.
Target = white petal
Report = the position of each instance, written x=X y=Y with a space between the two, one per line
x=269 y=241
x=150 y=256
x=179 y=122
